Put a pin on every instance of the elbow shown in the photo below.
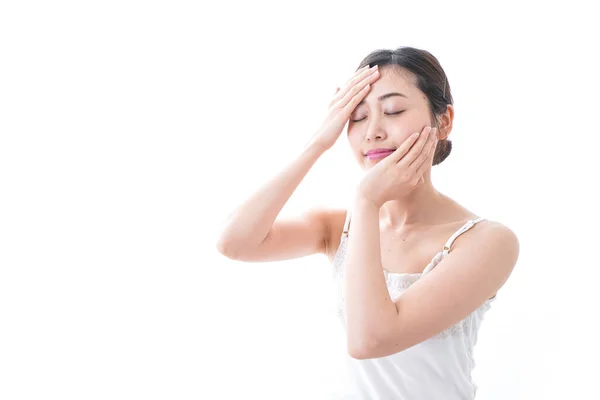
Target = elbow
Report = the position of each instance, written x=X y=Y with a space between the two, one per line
x=359 y=354
x=222 y=247
x=375 y=346
x=227 y=249
x=362 y=349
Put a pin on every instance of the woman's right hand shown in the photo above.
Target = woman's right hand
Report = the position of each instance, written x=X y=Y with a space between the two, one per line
x=343 y=103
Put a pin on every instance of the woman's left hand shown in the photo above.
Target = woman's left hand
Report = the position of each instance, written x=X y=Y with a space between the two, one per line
x=402 y=171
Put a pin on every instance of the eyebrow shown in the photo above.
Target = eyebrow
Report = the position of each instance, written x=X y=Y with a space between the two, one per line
x=385 y=96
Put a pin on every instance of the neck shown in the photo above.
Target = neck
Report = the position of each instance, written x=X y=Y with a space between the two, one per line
x=423 y=206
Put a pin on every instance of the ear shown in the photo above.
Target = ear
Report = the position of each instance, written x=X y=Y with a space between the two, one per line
x=445 y=122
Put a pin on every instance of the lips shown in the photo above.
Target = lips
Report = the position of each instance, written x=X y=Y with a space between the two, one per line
x=378 y=154
x=378 y=151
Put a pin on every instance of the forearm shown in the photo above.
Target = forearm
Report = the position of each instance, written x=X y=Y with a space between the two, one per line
x=368 y=305
x=251 y=222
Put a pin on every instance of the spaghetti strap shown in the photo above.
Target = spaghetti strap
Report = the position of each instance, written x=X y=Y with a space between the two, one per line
x=459 y=232
x=346 y=224
x=439 y=256
x=448 y=244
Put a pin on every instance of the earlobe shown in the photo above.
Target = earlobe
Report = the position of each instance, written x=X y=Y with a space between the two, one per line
x=443 y=133
x=446 y=126
x=442 y=130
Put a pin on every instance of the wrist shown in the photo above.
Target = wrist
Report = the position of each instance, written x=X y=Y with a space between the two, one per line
x=365 y=202
x=314 y=150
x=314 y=144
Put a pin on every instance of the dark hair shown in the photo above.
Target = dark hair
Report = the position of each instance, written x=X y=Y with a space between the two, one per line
x=431 y=80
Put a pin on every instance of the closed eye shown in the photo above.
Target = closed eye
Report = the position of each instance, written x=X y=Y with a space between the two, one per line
x=394 y=113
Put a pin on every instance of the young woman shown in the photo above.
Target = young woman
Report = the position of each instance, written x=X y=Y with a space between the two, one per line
x=416 y=270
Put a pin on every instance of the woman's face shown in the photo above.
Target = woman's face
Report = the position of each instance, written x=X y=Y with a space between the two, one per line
x=375 y=122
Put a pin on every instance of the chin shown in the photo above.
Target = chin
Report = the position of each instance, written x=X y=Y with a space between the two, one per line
x=368 y=163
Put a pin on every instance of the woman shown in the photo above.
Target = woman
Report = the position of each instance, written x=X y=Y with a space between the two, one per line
x=416 y=270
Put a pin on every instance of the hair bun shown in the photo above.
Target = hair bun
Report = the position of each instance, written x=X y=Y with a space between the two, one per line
x=442 y=151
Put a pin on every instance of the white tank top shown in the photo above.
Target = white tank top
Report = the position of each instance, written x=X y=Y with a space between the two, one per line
x=438 y=368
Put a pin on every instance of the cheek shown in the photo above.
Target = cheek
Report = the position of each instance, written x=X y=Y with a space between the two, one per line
x=415 y=125
x=414 y=120
x=353 y=138
x=349 y=131
x=354 y=143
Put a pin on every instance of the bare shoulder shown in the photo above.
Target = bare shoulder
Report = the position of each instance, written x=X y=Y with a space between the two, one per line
x=499 y=231
x=493 y=234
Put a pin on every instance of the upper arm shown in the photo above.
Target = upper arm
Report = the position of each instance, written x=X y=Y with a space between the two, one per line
x=476 y=268
x=289 y=238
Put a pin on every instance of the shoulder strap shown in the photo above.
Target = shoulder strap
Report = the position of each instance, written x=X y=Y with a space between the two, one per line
x=346 y=224
x=459 y=232
x=448 y=244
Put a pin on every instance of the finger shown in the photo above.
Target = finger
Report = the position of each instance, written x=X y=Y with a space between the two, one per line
x=415 y=150
x=332 y=102
x=354 y=86
x=416 y=140
x=357 y=72
x=348 y=108
x=344 y=102
x=401 y=150
x=364 y=71
x=426 y=151
x=427 y=162
x=363 y=78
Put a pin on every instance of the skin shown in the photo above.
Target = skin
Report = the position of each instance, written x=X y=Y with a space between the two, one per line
x=396 y=199
x=370 y=126
x=399 y=220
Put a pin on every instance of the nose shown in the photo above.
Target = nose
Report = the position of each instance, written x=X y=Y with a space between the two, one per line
x=375 y=131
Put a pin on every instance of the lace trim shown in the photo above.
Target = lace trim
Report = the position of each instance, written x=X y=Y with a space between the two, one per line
x=397 y=284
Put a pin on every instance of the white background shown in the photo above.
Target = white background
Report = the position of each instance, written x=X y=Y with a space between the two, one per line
x=130 y=130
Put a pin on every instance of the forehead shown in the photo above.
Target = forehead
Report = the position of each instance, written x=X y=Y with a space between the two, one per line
x=393 y=79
